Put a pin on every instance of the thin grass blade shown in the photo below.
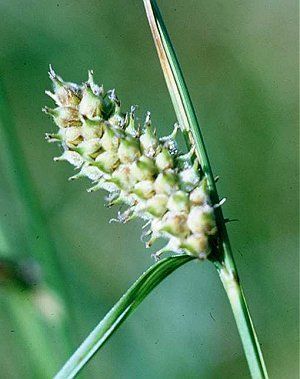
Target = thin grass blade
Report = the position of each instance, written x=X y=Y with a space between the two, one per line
x=118 y=314
x=222 y=257
x=185 y=113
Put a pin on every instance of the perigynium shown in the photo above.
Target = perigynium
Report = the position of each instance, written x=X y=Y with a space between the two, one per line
x=165 y=188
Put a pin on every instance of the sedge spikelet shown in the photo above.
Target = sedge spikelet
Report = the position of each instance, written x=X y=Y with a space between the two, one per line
x=136 y=167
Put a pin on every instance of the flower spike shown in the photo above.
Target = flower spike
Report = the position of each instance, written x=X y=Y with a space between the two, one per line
x=136 y=168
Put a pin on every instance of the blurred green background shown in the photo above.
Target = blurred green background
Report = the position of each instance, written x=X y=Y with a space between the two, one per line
x=240 y=63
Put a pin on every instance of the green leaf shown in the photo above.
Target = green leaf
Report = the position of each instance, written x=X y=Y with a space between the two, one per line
x=222 y=257
x=186 y=115
x=118 y=314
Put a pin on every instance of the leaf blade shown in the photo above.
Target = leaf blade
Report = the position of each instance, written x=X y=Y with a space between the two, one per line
x=222 y=256
x=118 y=314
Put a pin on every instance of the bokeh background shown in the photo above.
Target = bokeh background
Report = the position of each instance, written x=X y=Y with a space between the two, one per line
x=240 y=63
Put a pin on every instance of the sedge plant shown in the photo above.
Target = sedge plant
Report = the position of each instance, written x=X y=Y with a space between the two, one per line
x=174 y=193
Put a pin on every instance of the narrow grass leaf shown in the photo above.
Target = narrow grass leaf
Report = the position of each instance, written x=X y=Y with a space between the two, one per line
x=223 y=257
x=120 y=311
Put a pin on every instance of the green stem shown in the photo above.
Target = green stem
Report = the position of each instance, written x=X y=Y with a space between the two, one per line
x=244 y=323
x=222 y=255
x=119 y=313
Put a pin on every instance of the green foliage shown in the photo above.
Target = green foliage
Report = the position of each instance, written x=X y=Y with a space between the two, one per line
x=90 y=103
x=241 y=67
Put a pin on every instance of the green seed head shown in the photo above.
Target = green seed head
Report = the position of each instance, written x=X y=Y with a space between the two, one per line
x=137 y=168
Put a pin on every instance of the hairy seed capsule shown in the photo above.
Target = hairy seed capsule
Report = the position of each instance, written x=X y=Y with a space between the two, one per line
x=72 y=157
x=64 y=116
x=175 y=224
x=179 y=202
x=64 y=93
x=129 y=150
x=91 y=172
x=166 y=182
x=201 y=219
x=157 y=205
x=107 y=161
x=92 y=128
x=198 y=244
x=109 y=141
x=198 y=196
x=90 y=105
x=164 y=160
x=144 y=168
x=144 y=189
x=149 y=141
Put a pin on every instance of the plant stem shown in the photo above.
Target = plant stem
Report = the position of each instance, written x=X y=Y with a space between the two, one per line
x=222 y=255
x=244 y=323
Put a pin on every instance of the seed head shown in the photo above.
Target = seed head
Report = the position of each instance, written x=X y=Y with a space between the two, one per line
x=135 y=166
